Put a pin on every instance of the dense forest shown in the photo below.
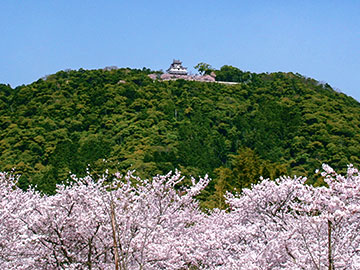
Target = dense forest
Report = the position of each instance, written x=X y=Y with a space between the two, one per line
x=267 y=125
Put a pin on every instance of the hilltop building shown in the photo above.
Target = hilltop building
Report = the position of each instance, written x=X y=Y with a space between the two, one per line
x=176 y=71
x=176 y=68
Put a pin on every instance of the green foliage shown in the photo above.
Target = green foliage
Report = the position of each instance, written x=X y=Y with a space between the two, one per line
x=204 y=68
x=246 y=168
x=268 y=124
x=233 y=74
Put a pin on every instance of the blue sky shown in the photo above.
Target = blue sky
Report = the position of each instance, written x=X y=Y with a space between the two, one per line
x=318 y=39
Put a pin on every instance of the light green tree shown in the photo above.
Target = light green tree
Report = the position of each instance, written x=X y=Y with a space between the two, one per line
x=204 y=68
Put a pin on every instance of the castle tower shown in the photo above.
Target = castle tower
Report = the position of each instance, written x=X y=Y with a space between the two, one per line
x=176 y=68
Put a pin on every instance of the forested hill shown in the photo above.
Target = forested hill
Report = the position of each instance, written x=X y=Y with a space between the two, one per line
x=269 y=124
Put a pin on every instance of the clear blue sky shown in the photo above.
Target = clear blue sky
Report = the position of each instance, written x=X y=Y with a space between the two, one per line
x=319 y=39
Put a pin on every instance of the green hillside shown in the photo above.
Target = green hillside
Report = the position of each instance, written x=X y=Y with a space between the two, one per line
x=269 y=124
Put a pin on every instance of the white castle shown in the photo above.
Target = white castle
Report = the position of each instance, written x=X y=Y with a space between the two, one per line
x=177 y=71
x=176 y=68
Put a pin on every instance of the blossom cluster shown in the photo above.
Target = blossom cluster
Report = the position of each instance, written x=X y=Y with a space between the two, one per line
x=124 y=222
x=170 y=77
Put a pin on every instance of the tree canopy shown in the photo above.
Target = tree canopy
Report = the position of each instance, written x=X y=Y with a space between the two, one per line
x=125 y=222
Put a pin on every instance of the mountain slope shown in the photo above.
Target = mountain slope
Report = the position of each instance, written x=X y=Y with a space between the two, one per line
x=269 y=124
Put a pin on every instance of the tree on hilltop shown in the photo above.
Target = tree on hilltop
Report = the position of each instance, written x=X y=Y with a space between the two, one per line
x=204 y=68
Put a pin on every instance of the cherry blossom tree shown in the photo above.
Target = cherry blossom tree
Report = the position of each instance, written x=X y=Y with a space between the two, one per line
x=285 y=224
x=71 y=227
x=116 y=222
x=129 y=224
x=64 y=231
x=14 y=236
x=153 y=219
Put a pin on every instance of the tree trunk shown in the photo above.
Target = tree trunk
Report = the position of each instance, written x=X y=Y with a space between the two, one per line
x=113 y=226
x=330 y=261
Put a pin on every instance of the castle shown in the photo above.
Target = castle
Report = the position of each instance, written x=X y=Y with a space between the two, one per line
x=176 y=68
x=177 y=71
